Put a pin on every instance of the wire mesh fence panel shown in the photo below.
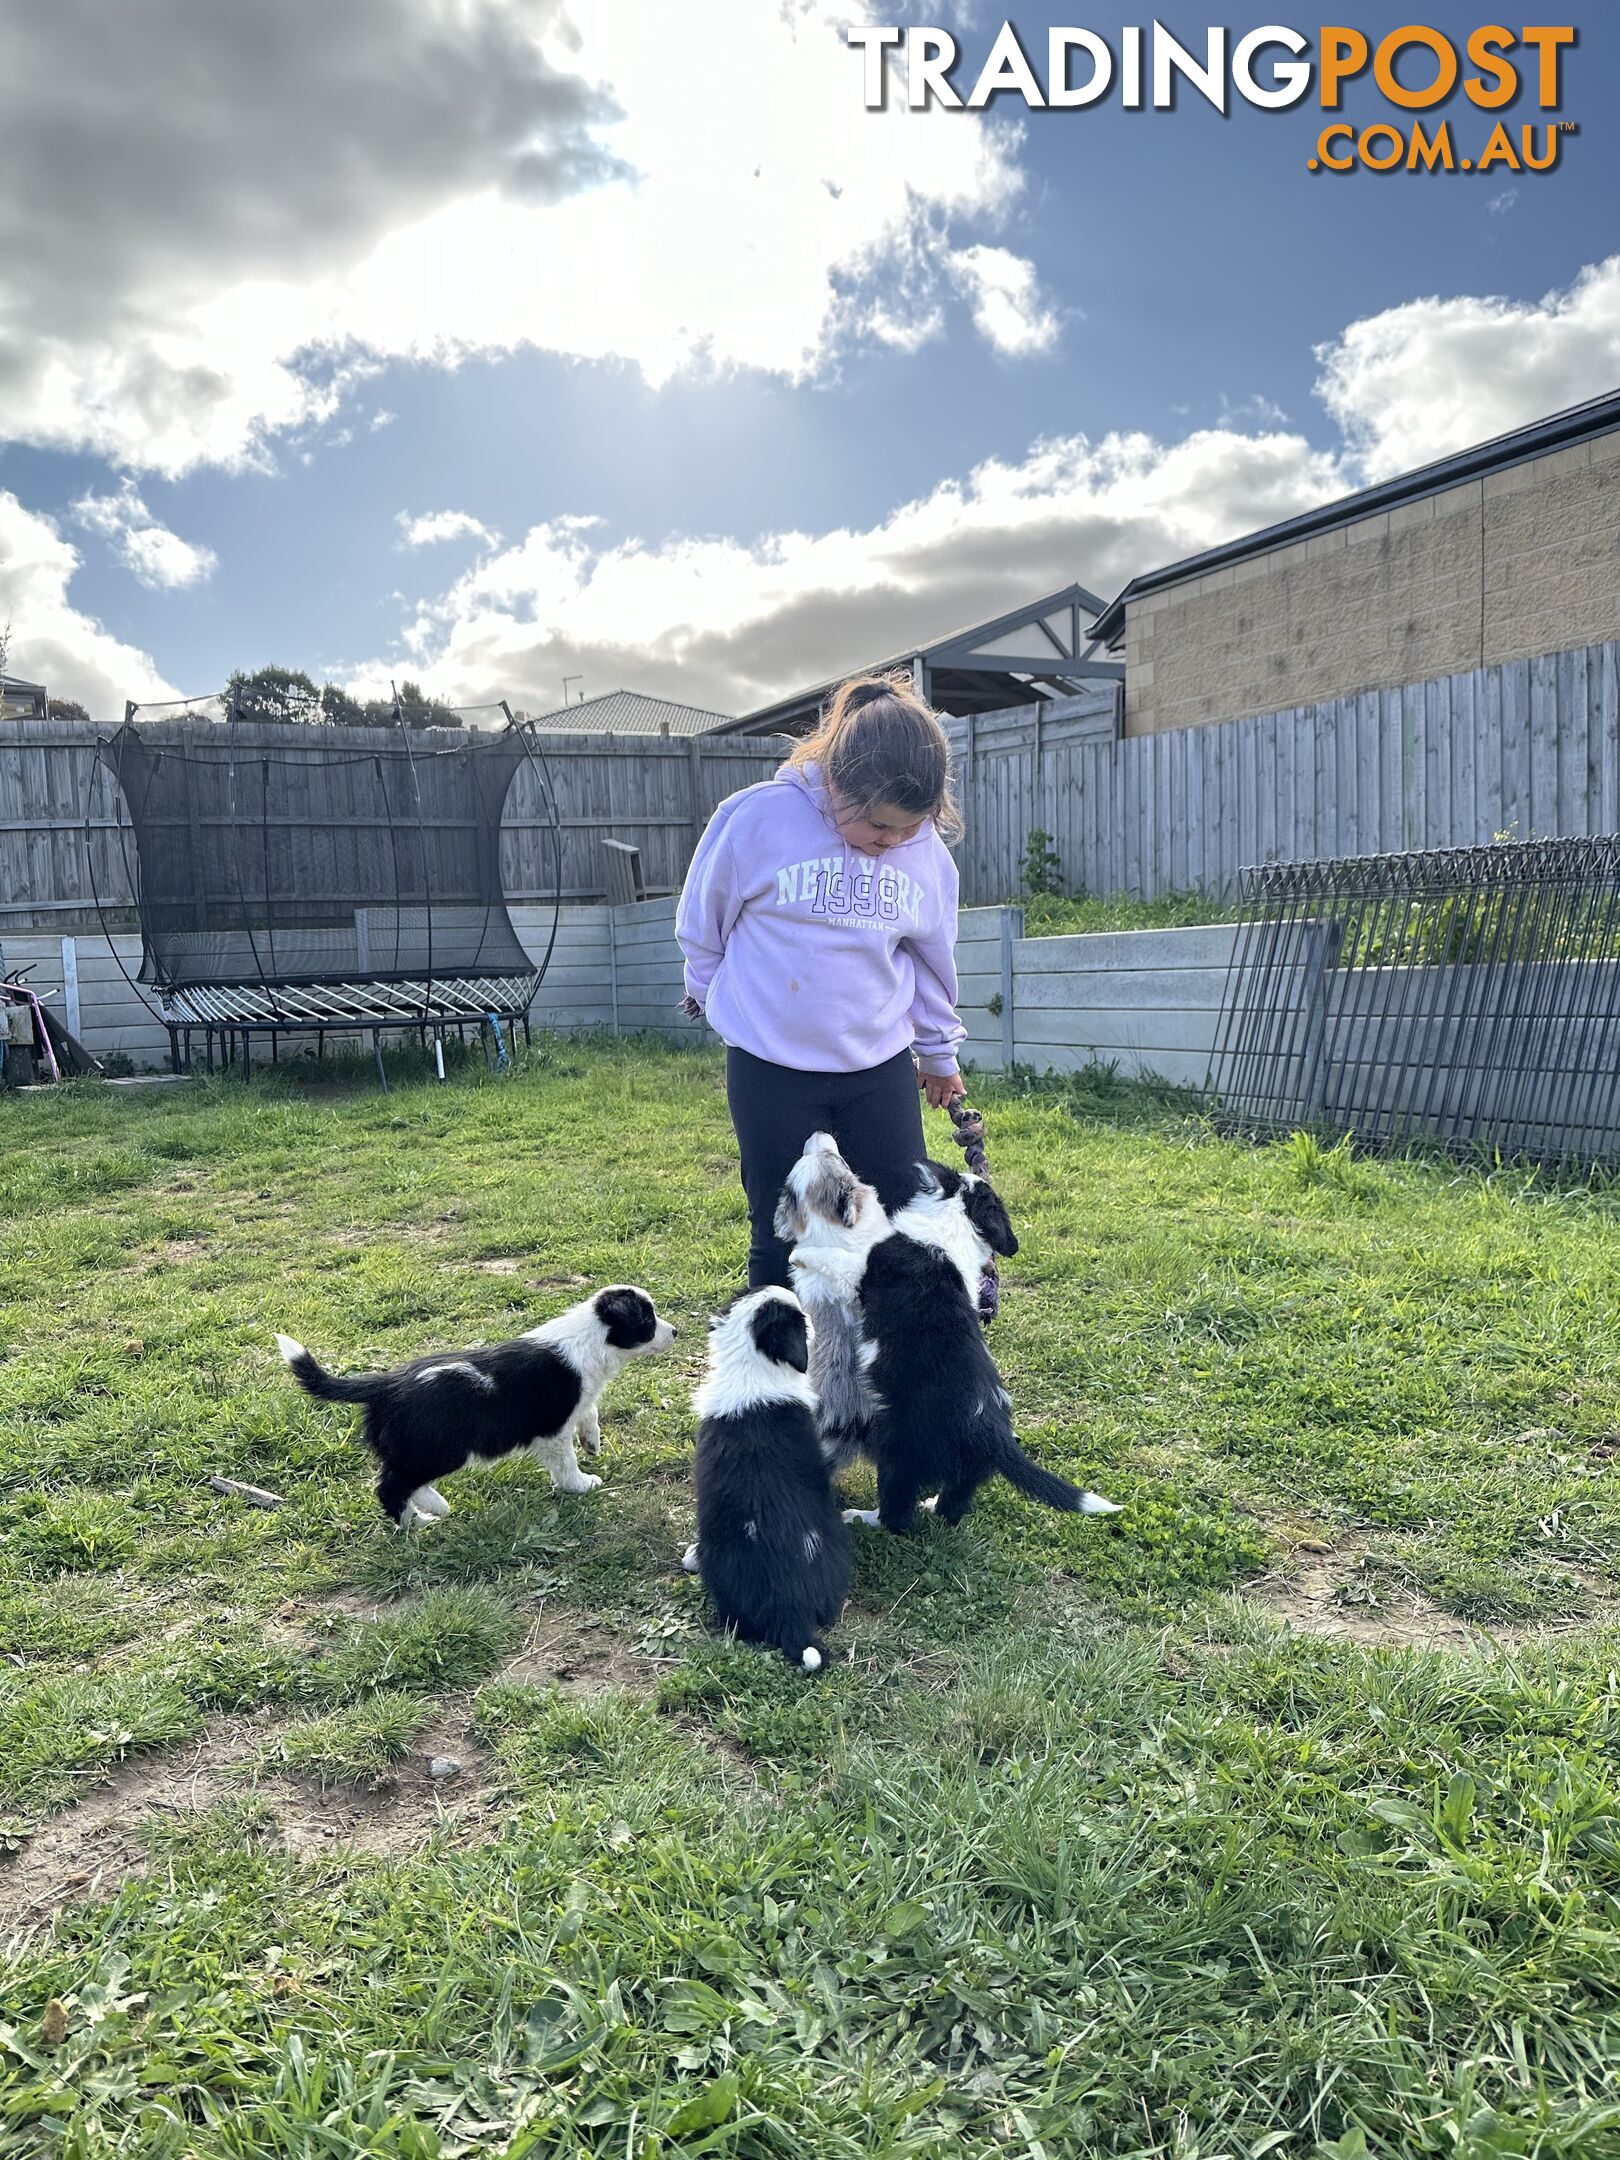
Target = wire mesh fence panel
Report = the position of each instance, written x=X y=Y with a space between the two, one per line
x=1464 y=997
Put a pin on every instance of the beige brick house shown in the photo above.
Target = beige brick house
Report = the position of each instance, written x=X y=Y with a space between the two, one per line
x=1504 y=551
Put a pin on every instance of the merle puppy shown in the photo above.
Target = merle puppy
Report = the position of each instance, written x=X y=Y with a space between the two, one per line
x=772 y=1546
x=831 y=1219
x=436 y=1414
x=944 y=1421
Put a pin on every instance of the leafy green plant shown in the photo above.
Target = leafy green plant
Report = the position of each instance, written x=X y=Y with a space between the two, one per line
x=1041 y=870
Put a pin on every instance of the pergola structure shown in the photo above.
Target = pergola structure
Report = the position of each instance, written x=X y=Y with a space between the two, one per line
x=1046 y=649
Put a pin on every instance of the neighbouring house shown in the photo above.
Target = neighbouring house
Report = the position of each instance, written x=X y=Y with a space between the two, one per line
x=22 y=700
x=1035 y=654
x=1499 y=553
x=630 y=712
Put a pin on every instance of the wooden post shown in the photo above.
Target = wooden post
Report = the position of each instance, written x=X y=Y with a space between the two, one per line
x=694 y=775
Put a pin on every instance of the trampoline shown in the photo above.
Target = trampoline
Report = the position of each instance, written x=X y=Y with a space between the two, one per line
x=314 y=879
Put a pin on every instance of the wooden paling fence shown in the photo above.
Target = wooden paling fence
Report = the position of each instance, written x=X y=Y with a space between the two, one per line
x=656 y=793
x=1528 y=750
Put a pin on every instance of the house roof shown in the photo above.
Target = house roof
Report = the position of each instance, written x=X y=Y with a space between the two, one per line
x=1576 y=424
x=1046 y=641
x=628 y=712
x=19 y=699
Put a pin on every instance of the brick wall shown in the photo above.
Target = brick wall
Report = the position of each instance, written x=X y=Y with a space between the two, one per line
x=1521 y=562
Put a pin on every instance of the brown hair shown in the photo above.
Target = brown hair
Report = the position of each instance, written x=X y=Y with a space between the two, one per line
x=878 y=743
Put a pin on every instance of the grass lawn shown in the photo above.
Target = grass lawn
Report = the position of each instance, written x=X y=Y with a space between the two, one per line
x=1278 y=1815
x=1059 y=915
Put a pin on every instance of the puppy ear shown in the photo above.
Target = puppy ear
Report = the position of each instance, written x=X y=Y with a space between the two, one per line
x=789 y=1220
x=989 y=1217
x=628 y=1316
x=930 y=1179
x=781 y=1334
x=847 y=1210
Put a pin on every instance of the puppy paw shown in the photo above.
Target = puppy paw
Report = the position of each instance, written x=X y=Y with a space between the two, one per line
x=689 y=1560
x=867 y=1515
x=429 y=1501
x=928 y=1506
x=583 y=1483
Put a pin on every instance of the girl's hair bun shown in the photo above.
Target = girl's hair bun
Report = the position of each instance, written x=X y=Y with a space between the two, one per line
x=879 y=743
x=866 y=691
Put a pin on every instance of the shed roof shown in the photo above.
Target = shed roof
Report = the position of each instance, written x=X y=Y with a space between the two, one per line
x=1039 y=650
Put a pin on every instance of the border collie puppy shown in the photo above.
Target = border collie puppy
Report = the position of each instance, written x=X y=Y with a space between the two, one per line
x=832 y=1220
x=772 y=1546
x=436 y=1414
x=945 y=1420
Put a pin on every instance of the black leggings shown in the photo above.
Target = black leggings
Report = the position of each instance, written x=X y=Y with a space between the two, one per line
x=875 y=1116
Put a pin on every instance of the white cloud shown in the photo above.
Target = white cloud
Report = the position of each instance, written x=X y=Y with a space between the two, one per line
x=159 y=558
x=174 y=291
x=1500 y=205
x=719 y=623
x=382 y=418
x=441 y=525
x=1008 y=311
x=52 y=641
x=1436 y=375
x=731 y=625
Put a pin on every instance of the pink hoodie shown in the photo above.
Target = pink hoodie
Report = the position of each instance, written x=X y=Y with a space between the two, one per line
x=810 y=955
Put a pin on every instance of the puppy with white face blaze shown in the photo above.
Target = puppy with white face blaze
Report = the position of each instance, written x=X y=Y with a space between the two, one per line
x=539 y=1392
x=772 y=1547
x=831 y=1220
x=941 y=1419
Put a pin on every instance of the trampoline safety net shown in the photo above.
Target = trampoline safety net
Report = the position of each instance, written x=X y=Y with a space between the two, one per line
x=273 y=867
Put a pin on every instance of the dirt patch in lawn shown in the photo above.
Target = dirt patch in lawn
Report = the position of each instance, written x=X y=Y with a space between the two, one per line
x=582 y=1661
x=1315 y=1590
x=90 y=1848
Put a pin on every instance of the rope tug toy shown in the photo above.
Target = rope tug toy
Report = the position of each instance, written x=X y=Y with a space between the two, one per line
x=969 y=1137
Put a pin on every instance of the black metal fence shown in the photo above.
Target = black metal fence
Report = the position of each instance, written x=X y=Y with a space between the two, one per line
x=1467 y=997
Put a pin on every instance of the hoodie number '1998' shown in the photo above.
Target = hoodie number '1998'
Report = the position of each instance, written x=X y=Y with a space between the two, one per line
x=807 y=954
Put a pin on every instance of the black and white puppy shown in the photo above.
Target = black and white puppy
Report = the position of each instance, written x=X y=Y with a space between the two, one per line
x=832 y=1219
x=944 y=1421
x=772 y=1546
x=438 y=1413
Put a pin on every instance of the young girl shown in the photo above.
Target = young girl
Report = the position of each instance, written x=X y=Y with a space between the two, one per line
x=818 y=922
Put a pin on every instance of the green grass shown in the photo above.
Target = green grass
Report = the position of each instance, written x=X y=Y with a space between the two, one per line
x=1059 y=915
x=1077 y=1851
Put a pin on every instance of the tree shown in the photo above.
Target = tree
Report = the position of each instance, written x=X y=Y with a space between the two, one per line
x=66 y=708
x=424 y=711
x=274 y=693
x=345 y=711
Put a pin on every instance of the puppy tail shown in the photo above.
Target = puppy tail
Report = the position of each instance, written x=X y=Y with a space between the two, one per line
x=1054 y=1492
x=315 y=1380
x=843 y=1444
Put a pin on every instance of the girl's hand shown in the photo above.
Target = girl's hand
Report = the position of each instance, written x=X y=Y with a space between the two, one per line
x=940 y=1089
x=692 y=1009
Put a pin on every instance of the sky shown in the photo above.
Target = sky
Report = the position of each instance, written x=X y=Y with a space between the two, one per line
x=493 y=342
